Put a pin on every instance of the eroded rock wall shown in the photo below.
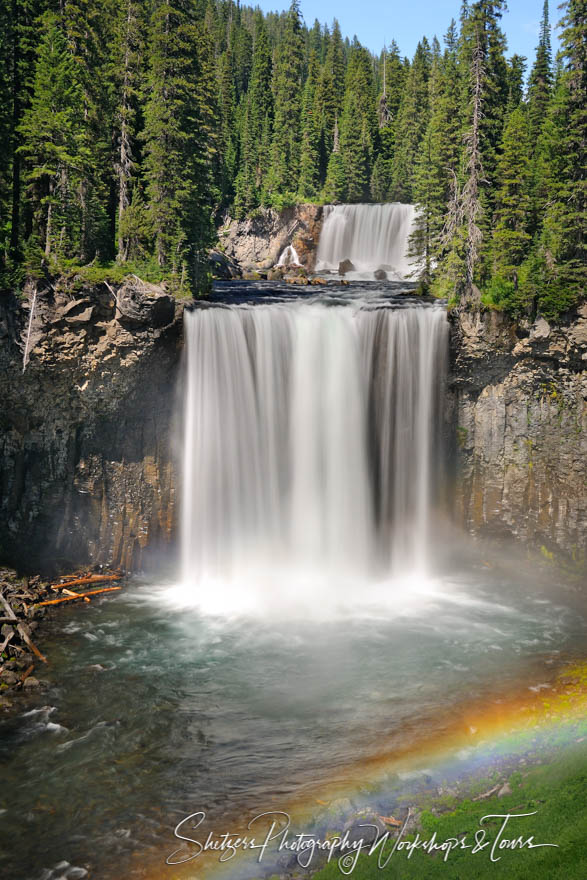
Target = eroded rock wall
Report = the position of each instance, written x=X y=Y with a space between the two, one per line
x=87 y=470
x=519 y=407
x=256 y=243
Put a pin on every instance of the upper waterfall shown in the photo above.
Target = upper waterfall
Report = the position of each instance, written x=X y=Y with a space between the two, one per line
x=372 y=237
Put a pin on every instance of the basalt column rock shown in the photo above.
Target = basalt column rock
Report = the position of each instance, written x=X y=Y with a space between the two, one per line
x=87 y=471
x=519 y=403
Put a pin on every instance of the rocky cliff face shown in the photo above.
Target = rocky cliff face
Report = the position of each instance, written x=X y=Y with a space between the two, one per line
x=86 y=453
x=256 y=243
x=87 y=459
x=519 y=406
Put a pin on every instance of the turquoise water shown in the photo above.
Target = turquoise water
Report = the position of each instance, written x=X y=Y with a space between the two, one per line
x=155 y=710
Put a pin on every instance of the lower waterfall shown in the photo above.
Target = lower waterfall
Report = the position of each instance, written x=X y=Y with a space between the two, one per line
x=311 y=448
x=371 y=237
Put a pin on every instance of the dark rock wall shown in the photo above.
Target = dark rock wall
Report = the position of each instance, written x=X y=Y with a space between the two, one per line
x=518 y=397
x=88 y=460
x=87 y=470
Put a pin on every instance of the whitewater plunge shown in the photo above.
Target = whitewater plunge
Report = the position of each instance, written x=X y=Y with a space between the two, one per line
x=372 y=237
x=311 y=449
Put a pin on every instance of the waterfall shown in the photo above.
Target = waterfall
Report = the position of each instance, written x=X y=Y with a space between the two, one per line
x=372 y=237
x=311 y=448
x=289 y=257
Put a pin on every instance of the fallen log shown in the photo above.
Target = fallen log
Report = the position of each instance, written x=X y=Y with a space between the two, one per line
x=77 y=596
x=26 y=638
x=391 y=820
x=26 y=673
x=7 y=639
x=90 y=579
x=8 y=608
x=69 y=593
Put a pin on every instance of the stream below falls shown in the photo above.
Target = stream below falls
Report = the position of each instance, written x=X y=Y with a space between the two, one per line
x=155 y=710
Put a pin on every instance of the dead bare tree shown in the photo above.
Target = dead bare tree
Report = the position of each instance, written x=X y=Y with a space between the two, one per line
x=471 y=204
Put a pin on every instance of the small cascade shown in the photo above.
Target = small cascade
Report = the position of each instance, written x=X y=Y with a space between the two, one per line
x=373 y=238
x=289 y=257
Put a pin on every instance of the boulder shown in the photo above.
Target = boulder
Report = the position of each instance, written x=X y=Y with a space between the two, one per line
x=82 y=318
x=223 y=267
x=296 y=279
x=540 y=330
x=143 y=304
x=345 y=266
x=31 y=683
x=380 y=275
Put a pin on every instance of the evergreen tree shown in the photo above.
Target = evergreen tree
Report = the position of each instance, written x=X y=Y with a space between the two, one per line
x=358 y=125
x=127 y=68
x=257 y=126
x=179 y=124
x=287 y=90
x=54 y=143
x=310 y=156
x=411 y=123
x=335 y=187
x=511 y=239
x=560 y=261
x=540 y=81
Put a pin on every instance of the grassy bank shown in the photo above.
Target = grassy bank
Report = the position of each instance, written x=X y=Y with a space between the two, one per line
x=556 y=793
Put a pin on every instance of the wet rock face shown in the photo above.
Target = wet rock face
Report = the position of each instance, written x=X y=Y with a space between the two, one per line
x=256 y=243
x=86 y=454
x=519 y=406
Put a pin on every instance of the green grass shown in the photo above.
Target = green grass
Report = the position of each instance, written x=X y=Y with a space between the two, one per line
x=557 y=792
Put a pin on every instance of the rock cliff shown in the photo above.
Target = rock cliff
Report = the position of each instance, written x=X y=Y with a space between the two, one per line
x=519 y=407
x=256 y=243
x=86 y=453
x=87 y=459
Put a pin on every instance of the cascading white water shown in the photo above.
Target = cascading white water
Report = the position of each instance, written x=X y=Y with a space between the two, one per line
x=370 y=236
x=310 y=447
x=289 y=257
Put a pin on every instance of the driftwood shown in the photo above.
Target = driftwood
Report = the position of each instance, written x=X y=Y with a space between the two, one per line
x=8 y=608
x=26 y=673
x=26 y=638
x=90 y=579
x=75 y=596
x=21 y=630
x=391 y=820
x=69 y=593
x=7 y=639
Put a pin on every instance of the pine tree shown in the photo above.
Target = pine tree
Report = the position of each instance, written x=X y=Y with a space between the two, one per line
x=516 y=70
x=438 y=159
x=227 y=136
x=561 y=255
x=180 y=118
x=511 y=239
x=358 y=125
x=256 y=127
x=54 y=143
x=411 y=123
x=287 y=92
x=540 y=81
x=461 y=234
x=127 y=68
x=335 y=187
x=310 y=156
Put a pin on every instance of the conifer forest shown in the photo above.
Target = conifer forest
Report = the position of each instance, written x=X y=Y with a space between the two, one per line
x=130 y=130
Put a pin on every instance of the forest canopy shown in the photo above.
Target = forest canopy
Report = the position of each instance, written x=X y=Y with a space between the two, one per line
x=130 y=130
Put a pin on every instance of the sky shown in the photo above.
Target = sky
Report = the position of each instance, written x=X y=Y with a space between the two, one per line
x=407 y=21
